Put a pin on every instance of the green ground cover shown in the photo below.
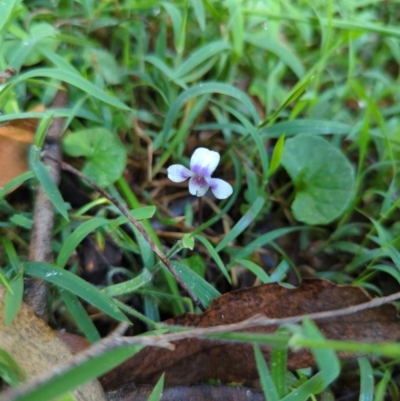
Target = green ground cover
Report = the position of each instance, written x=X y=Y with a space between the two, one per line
x=300 y=99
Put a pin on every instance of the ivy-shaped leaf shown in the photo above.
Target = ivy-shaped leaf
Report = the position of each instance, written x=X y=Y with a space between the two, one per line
x=106 y=155
x=323 y=178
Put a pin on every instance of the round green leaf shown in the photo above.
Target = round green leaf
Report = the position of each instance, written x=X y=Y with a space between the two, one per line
x=323 y=178
x=106 y=155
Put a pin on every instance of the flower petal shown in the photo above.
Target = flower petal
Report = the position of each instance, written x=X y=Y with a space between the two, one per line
x=220 y=188
x=178 y=173
x=204 y=161
x=198 y=185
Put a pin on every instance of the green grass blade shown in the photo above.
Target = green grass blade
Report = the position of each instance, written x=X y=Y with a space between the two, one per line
x=65 y=279
x=41 y=130
x=60 y=62
x=381 y=389
x=214 y=254
x=13 y=299
x=252 y=184
x=158 y=63
x=264 y=240
x=306 y=126
x=11 y=253
x=326 y=358
x=243 y=223
x=132 y=312
x=141 y=213
x=255 y=269
x=78 y=375
x=367 y=380
x=200 y=56
x=201 y=288
x=197 y=107
x=76 y=237
x=283 y=53
x=16 y=182
x=393 y=271
x=129 y=286
x=180 y=45
x=134 y=203
x=267 y=384
x=59 y=112
x=43 y=176
x=278 y=369
x=236 y=27
x=176 y=18
x=198 y=8
x=150 y=308
x=280 y=271
x=276 y=155
x=6 y=8
x=312 y=386
x=10 y=371
x=89 y=8
x=295 y=93
x=201 y=89
x=72 y=79
x=230 y=126
x=6 y=284
x=156 y=394
x=200 y=71
x=80 y=316
x=255 y=136
x=146 y=253
x=21 y=221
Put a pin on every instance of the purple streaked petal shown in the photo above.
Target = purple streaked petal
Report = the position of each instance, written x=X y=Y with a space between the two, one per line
x=198 y=185
x=204 y=161
x=220 y=188
x=178 y=173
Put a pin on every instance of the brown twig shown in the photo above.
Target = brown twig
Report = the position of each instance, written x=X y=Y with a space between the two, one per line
x=36 y=290
x=114 y=340
x=125 y=212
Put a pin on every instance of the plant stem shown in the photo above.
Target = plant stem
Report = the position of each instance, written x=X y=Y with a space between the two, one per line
x=125 y=212
x=200 y=211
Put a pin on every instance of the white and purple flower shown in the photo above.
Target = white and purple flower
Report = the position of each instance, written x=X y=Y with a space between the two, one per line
x=202 y=164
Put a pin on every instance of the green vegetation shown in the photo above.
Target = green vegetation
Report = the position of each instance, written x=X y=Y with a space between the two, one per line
x=301 y=100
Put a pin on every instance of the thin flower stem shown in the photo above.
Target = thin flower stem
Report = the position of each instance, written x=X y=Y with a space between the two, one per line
x=200 y=211
x=125 y=211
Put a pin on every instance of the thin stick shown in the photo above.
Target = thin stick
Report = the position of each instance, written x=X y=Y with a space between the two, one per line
x=114 y=340
x=125 y=211
x=36 y=290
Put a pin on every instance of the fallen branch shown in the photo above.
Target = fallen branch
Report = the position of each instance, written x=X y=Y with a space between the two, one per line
x=36 y=290
x=115 y=340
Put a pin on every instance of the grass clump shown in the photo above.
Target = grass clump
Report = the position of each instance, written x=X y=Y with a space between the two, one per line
x=300 y=99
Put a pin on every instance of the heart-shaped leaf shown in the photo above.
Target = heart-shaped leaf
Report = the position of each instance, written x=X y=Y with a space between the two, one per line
x=104 y=151
x=323 y=177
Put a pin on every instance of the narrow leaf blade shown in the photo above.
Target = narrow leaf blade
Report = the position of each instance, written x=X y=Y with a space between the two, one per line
x=70 y=282
x=50 y=187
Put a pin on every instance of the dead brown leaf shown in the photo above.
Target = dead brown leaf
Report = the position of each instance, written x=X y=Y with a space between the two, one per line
x=15 y=138
x=7 y=74
x=195 y=360
x=37 y=348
